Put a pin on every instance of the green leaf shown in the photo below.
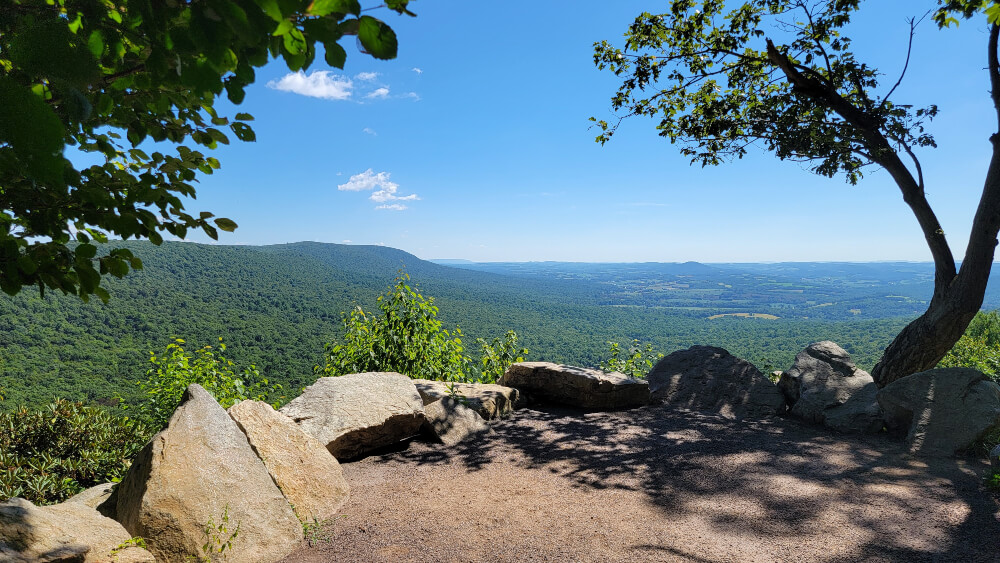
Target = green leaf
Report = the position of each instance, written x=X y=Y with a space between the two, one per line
x=96 y=43
x=32 y=130
x=324 y=7
x=86 y=251
x=377 y=38
x=270 y=8
x=336 y=56
x=244 y=117
x=227 y=225
x=27 y=265
x=243 y=132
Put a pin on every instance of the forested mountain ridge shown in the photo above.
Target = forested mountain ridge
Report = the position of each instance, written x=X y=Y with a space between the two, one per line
x=276 y=306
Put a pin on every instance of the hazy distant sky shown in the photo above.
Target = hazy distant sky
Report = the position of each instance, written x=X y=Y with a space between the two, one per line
x=475 y=144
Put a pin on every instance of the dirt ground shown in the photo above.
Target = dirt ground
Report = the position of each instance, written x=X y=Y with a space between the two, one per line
x=660 y=484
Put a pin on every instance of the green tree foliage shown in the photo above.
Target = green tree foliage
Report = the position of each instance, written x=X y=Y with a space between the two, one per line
x=175 y=369
x=102 y=77
x=979 y=347
x=408 y=338
x=636 y=361
x=50 y=454
x=722 y=77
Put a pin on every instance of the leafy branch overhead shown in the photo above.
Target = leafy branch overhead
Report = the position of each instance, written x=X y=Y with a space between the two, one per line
x=104 y=76
x=781 y=75
x=718 y=84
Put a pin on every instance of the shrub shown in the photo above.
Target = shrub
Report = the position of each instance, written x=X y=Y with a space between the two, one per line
x=979 y=347
x=408 y=338
x=174 y=370
x=49 y=455
x=635 y=362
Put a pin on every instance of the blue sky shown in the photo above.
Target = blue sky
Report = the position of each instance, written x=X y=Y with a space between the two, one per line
x=475 y=143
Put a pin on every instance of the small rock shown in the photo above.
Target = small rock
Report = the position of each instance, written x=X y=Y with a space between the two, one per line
x=576 y=386
x=452 y=422
x=354 y=414
x=70 y=531
x=821 y=383
x=943 y=411
x=93 y=496
x=712 y=379
x=489 y=400
x=308 y=476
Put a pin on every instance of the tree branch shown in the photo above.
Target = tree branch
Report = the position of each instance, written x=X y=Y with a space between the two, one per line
x=883 y=154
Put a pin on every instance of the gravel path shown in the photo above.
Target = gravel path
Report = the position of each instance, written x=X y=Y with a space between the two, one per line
x=658 y=484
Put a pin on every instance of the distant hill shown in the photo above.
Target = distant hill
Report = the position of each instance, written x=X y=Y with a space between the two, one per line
x=276 y=306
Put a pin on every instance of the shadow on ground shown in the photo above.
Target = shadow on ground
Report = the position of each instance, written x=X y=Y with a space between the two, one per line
x=752 y=480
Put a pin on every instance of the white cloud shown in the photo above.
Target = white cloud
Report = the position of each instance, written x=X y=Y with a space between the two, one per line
x=417 y=70
x=370 y=131
x=380 y=93
x=346 y=241
x=414 y=95
x=366 y=76
x=384 y=190
x=320 y=84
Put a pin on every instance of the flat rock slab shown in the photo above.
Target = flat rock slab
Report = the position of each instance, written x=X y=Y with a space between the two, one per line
x=577 y=387
x=491 y=401
x=822 y=380
x=197 y=470
x=943 y=411
x=453 y=422
x=355 y=414
x=708 y=378
x=308 y=476
x=71 y=531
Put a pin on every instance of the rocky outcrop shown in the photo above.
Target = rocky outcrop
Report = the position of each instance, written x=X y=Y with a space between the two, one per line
x=942 y=411
x=452 y=422
x=93 y=496
x=576 y=386
x=71 y=531
x=200 y=469
x=712 y=379
x=825 y=387
x=308 y=476
x=354 y=414
x=489 y=400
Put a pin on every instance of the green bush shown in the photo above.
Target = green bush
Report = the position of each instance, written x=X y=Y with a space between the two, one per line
x=634 y=362
x=174 y=370
x=979 y=347
x=408 y=338
x=49 y=455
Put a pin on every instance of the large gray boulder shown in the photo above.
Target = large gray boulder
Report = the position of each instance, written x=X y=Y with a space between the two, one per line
x=308 y=476
x=354 y=414
x=712 y=379
x=200 y=469
x=452 y=422
x=942 y=411
x=824 y=383
x=575 y=386
x=491 y=401
x=71 y=531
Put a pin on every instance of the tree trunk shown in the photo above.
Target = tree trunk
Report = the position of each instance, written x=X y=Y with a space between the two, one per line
x=923 y=342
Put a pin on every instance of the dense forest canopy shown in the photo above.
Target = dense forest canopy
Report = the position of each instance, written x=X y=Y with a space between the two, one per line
x=277 y=306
